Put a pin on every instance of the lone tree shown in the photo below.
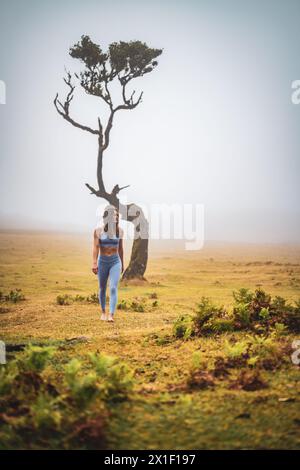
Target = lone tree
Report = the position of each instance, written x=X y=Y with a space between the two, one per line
x=123 y=62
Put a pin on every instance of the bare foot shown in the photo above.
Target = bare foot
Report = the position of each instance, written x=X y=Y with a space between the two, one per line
x=103 y=316
x=111 y=317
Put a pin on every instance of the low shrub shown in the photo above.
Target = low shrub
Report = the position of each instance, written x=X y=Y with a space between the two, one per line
x=117 y=378
x=263 y=313
x=13 y=296
x=236 y=350
x=266 y=352
x=184 y=327
x=68 y=299
x=123 y=305
x=153 y=295
x=242 y=296
x=39 y=412
x=138 y=304
x=252 y=311
x=92 y=298
x=218 y=325
x=64 y=299
x=35 y=358
x=205 y=311
x=241 y=314
x=280 y=330
x=255 y=351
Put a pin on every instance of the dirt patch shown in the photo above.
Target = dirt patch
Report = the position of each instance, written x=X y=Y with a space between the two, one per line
x=201 y=380
x=220 y=370
x=248 y=381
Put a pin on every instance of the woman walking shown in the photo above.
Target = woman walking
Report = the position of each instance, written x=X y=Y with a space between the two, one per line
x=109 y=264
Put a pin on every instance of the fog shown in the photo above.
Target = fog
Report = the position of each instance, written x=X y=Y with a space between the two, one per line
x=216 y=126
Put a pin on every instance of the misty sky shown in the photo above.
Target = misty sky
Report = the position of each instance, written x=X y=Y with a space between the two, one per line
x=216 y=125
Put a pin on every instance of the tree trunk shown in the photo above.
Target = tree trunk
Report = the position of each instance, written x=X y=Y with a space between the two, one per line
x=138 y=260
x=139 y=253
x=132 y=213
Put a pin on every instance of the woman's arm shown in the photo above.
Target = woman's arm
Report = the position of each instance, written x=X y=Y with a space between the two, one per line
x=121 y=252
x=95 y=253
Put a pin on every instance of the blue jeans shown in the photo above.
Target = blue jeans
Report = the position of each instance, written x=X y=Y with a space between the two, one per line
x=109 y=266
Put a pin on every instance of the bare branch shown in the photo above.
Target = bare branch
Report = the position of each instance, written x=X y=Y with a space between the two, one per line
x=117 y=189
x=131 y=104
x=108 y=129
x=93 y=190
x=100 y=132
x=63 y=108
x=128 y=102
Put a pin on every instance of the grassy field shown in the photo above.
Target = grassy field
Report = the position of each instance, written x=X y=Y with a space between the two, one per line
x=162 y=412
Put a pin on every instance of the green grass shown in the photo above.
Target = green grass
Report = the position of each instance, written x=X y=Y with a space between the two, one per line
x=162 y=412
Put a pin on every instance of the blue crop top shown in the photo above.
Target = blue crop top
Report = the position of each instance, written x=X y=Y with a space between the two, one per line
x=105 y=241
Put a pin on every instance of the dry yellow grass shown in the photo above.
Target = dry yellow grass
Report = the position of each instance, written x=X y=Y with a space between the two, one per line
x=45 y=265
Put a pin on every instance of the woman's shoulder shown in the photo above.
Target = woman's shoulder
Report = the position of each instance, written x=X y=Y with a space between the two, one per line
x=121 y=232
x=98 y=231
